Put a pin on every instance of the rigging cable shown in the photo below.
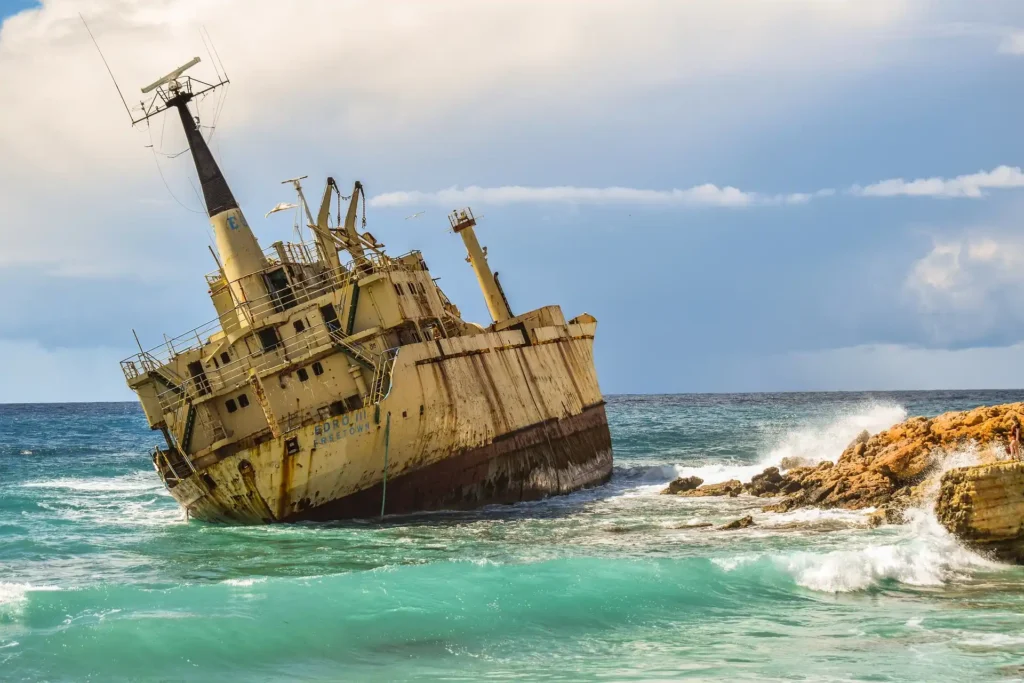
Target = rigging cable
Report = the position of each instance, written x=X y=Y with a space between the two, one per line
x=161 y=172
x=384 y=481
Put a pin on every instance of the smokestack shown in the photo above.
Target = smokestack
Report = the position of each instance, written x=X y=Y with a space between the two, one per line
x=239 y=251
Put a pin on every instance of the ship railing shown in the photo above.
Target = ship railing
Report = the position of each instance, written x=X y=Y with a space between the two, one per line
x=161 y=356
x=302 y=291
x=301 y=253
x=235 y=374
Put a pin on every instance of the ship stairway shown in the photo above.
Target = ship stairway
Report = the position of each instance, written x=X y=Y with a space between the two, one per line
x=450 y=326
x=381 y=386
x=176 y=467
x=352 y=351
x=190 y=427
x=167 y=382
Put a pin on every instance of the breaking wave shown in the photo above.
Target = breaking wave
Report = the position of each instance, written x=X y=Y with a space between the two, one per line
x=922 y=554
x=815 y=443
x=927 y=556
x=811 y=444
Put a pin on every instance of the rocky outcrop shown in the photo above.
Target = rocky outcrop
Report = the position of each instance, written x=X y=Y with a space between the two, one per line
x=889 y=470
x=892 y=470
x=731 y=488
x=682 y=484
x=770 y=483
x=984 y=507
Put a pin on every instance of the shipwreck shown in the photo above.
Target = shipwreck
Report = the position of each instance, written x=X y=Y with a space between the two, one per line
x=337 y=381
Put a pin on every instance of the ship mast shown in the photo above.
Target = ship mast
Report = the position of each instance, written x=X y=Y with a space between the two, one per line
x=241 y=258
x=463 y=222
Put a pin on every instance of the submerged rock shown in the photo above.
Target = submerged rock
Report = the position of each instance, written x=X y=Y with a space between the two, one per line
x=741 y=523
x=682 y=484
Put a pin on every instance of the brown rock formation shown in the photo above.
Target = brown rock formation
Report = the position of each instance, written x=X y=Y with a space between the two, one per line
x=768 y=483
x=682 y=484
x=984 y=506
x=732 y=488
x=887 y=470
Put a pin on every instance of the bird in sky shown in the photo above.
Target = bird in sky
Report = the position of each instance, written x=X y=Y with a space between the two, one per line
x=415 y=215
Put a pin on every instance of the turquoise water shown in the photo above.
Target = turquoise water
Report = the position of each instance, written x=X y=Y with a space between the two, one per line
x=102 y=579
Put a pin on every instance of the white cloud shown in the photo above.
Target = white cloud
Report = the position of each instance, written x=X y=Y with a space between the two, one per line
x=326 y=74
x=969 y=287
x=1013 y=44
x=700 y=195
x=972 y=185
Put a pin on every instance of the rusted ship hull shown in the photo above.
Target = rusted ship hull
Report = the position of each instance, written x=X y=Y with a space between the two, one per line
x=499 y=417
x=542 y=460
x=983 y=506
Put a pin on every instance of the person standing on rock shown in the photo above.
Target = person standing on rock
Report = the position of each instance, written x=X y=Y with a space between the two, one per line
x=1014 y=446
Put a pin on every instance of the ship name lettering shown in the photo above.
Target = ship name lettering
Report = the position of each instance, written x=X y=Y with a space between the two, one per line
x=335 y=430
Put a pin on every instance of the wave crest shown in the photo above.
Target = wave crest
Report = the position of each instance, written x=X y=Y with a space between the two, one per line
x=815 y=443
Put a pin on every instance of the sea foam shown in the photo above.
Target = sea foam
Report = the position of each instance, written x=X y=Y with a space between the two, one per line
x=812 y=443
x=925 y=555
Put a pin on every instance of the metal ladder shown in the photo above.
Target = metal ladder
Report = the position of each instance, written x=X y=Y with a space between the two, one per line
x=381 y=385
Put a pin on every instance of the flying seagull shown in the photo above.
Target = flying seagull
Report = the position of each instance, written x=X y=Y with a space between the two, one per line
x=415 y=215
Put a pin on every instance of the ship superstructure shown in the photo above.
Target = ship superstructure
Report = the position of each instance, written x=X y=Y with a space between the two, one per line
x=331 y=387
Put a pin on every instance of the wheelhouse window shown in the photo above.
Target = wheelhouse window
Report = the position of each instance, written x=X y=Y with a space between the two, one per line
x=198 y=374
x=331 y=321
x=280 y=291
x=243 y=401
x=231 y=405
x=269 y=338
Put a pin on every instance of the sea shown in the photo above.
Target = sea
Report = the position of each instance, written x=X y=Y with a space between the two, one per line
x=102 y=578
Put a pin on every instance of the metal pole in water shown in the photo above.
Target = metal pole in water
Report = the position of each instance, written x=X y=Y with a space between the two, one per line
x=384 y=482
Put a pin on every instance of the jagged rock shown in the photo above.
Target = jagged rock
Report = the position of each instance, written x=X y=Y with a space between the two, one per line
x=768 y=483
x=886 y=470
x=741 y=523
x=733 y=487
x=984 y=507
x=682 y=484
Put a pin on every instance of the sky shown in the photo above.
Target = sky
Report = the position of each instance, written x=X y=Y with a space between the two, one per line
x=749 y=195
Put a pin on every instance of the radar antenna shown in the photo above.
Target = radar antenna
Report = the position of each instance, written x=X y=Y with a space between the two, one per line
x=174 y=89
